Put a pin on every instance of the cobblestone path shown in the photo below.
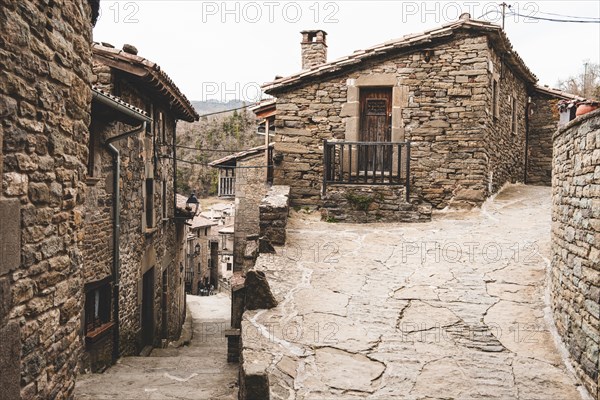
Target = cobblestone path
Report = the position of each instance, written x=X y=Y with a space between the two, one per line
x=197 y=371
x=451 y=309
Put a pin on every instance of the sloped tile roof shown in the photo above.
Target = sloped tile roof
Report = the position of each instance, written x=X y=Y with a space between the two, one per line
x=120 y=101
x=234 y=157
x=152 y=73
x=498 y=38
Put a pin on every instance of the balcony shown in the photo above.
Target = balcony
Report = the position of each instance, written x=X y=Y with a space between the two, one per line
x=227 y=186
x=366 y=163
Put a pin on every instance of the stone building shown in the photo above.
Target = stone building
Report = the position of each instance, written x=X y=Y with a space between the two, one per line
x=45 y=97
x=575 y=278
x=133 y=253
x=249 y=179
x=435 y=119
x=199 y=234
x=543 y=120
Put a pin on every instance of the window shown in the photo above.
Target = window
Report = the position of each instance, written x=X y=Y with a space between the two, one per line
x=163 y=127
x=164 y=199
x=513 y=114
x=97 y=308
x=229 y=266
x=495 y=98
x=149 y=203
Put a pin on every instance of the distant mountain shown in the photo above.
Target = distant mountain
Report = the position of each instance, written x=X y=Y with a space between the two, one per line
x=212 y=106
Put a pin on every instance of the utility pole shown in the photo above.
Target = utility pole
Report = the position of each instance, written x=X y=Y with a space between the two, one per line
x=585 y=78
x=504 y=5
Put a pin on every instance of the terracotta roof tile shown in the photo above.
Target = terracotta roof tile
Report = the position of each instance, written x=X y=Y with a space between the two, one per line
x=153 y=74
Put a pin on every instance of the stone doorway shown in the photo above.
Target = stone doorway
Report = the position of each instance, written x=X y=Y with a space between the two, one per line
x=148 y=308
x=375 y=126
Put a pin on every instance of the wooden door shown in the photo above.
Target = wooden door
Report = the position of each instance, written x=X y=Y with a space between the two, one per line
x=214 y=264
x=375 y=126
x=148 y=308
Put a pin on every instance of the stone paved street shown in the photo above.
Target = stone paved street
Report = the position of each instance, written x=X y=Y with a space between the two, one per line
x=197 y=371
x=451 y=309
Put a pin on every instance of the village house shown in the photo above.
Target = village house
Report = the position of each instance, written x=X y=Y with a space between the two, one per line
x=133 y=247
x=198 y=250
x=431 y=120
x=248 y=175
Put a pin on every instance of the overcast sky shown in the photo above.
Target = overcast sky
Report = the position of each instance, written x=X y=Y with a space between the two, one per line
x=225 y=50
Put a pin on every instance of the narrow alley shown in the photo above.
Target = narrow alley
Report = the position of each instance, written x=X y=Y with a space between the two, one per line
x=196 y=371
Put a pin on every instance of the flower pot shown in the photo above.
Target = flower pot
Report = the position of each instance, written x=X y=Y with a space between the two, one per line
x=585 y=108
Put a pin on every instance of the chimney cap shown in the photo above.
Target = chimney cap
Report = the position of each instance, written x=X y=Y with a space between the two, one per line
x=313 y=31
x=465 y=16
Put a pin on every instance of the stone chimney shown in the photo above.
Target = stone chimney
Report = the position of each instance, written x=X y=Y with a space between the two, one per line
x=314 y=48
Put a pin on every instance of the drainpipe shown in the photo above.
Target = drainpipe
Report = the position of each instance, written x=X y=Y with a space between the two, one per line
x=527 y=111
x=117 y=224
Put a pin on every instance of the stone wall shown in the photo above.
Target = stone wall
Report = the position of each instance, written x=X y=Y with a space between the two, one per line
x=504 y=143
x=575 y=279
x=543 y=122
x=45 y=114
x=459 y=154
x=274 y=210
x=250 y=188
x=153 y=248
x=364 y=204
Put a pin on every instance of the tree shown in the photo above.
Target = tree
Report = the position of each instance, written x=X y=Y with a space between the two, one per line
x=585 y=84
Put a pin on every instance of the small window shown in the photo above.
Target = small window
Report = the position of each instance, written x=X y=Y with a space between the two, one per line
x=495 y=98
x=149 y=203
x=164 y=200
x=229 y=266
x=513 y=113
x=97 y=308
x=163 y=127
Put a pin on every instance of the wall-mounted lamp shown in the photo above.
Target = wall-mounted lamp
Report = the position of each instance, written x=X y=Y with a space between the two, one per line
x=193 y=203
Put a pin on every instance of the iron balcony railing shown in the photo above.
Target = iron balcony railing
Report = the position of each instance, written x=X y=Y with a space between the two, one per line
x=366 y=163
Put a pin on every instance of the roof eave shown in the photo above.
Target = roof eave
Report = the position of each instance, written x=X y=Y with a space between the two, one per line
x=152 y=74
x=412 y=42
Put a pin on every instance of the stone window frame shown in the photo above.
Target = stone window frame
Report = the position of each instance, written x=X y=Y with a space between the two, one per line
x=164 y=201
x=149 y=216
x=495 y=97
x=351 y=109
x=100 y=307
x=513 y=114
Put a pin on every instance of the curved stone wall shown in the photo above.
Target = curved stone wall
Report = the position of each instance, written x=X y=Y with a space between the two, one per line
x=575 y=282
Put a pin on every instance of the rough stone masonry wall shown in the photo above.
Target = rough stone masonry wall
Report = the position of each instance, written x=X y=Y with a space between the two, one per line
x=364 y=204
x=142 y=249
x=250 y=189
x=575 y=280
x=444 y=113
x=505 y=147
x=274 y=210
x=44 y=117
x=543 y=122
